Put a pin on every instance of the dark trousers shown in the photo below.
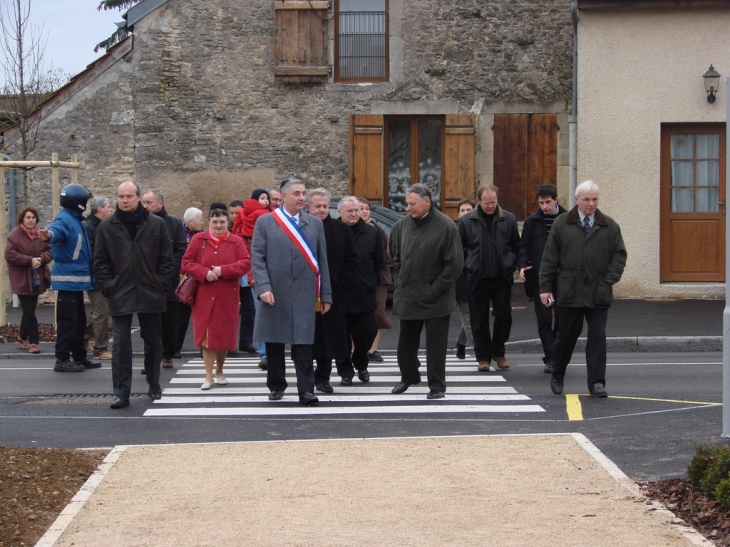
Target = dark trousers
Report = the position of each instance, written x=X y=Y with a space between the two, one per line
x=29 y=322
x=70 y=326
x=150 y=329
x=170 y=320
x=301 y=354
x=498 y=292
x=571 y=325
x=248 y=315
x=361 y=330
x=183 y=320
x=548 y=324
x=409 y=340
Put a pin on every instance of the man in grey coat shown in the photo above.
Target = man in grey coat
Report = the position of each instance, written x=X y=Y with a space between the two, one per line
x=287 y=247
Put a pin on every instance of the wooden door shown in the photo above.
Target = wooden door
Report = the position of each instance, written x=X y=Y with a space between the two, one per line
x=692 y=202
x=525 y=158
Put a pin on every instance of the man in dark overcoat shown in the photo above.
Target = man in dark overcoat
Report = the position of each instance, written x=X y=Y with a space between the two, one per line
x=585 y=257
x=288 y=247
x=360 y=301
x=330 y=332
x=134 y=266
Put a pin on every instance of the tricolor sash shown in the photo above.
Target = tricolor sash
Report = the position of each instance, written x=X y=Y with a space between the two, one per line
x=300 y=241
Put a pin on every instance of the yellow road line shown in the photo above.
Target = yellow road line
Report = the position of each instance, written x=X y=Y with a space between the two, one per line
x=575 y=411
x=665 y=400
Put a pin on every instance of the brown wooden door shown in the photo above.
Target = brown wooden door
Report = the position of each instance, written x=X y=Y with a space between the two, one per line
x=366 y=157
x=525 y=157
x=692 y=202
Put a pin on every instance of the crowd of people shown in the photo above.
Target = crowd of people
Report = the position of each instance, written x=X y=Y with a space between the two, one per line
x=276 y=269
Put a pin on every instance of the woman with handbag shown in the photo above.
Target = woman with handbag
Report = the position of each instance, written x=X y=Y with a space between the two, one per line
x=27 y=256
x=216 y=259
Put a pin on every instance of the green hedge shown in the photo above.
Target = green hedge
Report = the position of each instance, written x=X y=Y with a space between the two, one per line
x=709 y=470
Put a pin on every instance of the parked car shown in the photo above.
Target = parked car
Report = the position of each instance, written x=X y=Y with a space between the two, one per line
x=382 y=216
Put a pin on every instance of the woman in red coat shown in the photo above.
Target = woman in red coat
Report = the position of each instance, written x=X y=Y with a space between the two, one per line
x=216 y=259
x=27 y=256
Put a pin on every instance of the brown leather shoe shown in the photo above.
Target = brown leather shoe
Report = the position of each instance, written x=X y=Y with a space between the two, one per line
x=483 y=366
x=502 y=362
x=167 y=363
x=104 y=354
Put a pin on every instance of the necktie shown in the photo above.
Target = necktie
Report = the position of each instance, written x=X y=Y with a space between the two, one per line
x=586 y=224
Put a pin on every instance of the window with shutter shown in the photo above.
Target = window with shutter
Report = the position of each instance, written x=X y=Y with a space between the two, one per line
x=301 y=41
x=390 y=153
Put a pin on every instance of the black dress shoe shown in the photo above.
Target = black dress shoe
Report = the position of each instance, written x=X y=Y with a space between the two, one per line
x=375 y=356
x=87 y=364
x=264 y=364
x=155 y=394
x=324 y=387
x=143 y=371
x=556 y=385
x=363 y=376
x=548 y=368
x=435 y=394
x=120 y=402
x=401 y=387
x=276 y=395
x=308 y=398
x=460 y=351
x=598 y=390
x=346 y=382
x=67 y=366
x=248 y=349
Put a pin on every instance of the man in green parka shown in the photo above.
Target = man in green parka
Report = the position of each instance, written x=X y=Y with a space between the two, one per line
x=425 y=249
x=584 y=258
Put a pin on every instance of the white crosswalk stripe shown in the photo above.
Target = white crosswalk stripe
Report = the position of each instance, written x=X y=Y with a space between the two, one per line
x=246 y=394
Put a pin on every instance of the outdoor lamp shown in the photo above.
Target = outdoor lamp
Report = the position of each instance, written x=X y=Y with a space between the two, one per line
x=712 y=82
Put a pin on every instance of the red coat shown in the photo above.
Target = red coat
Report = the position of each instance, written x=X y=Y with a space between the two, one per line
x=252 y=210
x=217 y=304
x=20 y=250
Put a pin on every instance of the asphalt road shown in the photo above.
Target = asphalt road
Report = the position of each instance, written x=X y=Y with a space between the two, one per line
x=660 y=406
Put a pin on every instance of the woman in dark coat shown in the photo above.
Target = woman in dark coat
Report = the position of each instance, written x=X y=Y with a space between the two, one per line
x=27 y=256
x=216 y=259
x=193 y=223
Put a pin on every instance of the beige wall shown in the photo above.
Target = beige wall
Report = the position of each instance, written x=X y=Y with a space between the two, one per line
x=637 y=70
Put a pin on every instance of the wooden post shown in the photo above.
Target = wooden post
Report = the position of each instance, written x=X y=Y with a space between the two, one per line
x=56 y=208
x=54 y=185
x=74 y=172
x=3 y=238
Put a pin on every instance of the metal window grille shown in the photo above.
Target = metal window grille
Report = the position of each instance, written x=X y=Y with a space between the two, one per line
x=362 y=51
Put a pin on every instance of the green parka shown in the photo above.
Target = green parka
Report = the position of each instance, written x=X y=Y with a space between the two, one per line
x=583 y=266
x=427 y=260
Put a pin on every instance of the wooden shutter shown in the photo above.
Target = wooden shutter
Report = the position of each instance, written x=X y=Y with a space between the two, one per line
x=459 y=176
x=301 y=41
x=366 y=157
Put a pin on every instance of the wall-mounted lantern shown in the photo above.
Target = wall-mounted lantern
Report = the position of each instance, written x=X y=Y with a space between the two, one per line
x=712 y=82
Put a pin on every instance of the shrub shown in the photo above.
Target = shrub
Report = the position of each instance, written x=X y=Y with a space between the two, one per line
x=718 y=470
x=703 y=458
x=722 y=492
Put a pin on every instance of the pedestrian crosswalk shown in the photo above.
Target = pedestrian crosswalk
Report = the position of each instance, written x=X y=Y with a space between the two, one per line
x=246 y=394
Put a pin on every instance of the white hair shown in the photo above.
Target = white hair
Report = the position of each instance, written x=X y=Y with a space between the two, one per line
x=344 y=200
x=585 y=186
x=317 y=192
x=190 y=214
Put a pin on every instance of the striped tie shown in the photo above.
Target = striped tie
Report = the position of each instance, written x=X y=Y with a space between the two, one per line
x=586 y=224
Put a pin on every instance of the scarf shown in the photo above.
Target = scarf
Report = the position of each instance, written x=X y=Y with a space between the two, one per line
x=32 y=232
x=216 y=241
x=131 y=221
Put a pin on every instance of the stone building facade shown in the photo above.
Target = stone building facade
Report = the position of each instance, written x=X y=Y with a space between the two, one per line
x=190 y=102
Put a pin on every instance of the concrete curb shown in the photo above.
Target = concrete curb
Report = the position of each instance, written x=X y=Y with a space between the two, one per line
x=635 y=343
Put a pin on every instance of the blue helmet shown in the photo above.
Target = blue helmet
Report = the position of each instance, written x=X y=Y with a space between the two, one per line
x=74 y=197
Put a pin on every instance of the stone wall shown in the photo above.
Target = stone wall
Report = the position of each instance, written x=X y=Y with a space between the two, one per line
x=194 y=108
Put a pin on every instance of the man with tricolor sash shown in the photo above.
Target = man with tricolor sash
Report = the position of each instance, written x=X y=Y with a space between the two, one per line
x=289 y=257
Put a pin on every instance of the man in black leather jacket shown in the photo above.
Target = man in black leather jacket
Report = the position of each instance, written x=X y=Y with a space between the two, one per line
x=490 y=238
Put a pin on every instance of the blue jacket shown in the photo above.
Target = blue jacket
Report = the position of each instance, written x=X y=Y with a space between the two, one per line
x=71 y=253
